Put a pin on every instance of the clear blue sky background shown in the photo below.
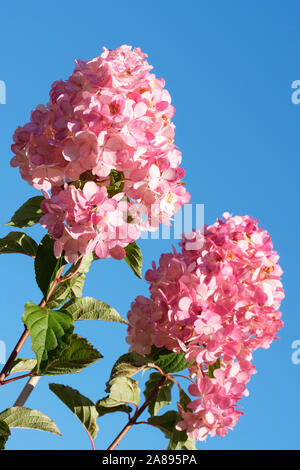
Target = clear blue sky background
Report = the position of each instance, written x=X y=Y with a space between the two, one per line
x=229 y=68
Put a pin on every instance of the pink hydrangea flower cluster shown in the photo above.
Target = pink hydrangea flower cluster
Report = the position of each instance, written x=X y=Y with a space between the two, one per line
x=217 y=301
x=111 y=114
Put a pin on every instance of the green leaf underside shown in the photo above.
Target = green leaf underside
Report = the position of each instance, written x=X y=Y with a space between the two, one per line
x=22 y=365
x=28 y=214
x=83 y=264
x=178 y=439
x=18 y=242
x=131 y=363
x=21 y=417
x=169 y=361
x=59 y=295
x=121 y=390
x=87 y=308
x=50 y=333
x=104 y=410
x=166 y=422
x=76 y=286
x=134 y=258
x=73 y=287
x=81 y=406
x=128 y=365
x=162 y=398
x=46 y=265
x=4 y=434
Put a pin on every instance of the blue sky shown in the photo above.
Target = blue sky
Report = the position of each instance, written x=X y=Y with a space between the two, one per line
x=229 y=67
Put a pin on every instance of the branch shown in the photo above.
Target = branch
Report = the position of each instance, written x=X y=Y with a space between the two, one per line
x=7 y=367
x=63 y=279
x=138 y=412
x=184 y=377
x=9 y=363
x=32 y=382
x=15 y=378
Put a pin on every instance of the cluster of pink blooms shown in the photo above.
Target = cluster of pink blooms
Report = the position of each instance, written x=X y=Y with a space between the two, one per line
x=111 y=114
x=216 y=301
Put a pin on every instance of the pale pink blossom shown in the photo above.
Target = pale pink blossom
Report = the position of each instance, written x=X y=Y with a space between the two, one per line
x=111 y=114
x=217 y=304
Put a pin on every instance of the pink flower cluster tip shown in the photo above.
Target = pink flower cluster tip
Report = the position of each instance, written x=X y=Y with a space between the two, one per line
x=216 y=301
x=110 y=115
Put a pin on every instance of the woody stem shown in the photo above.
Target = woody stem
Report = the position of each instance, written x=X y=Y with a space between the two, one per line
x=137 y=414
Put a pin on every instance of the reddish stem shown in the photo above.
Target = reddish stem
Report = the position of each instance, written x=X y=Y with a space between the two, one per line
x=184 y=377
x=63 y=279
x=132 y=421
x=91 y=439
x=6 y=369
x=15 y=378
x=149 y=424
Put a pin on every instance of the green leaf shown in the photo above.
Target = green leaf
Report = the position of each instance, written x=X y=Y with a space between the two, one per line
x=83 y=265
x=60 y=294
x=83 y=178
x=162 y=398
x=4 y=434
x=190 y=444
x=74 y=358
x=18 y=242
x=116 y=183
x=121 y=390
x=76 y=285
x=213 y=367
x=120 y=378
x=50 y=332
x=104 y=410
x=184 y=399
x=81 y=406
x=46 y=265
x=28 y=214
x=165 y=422
x=128 y=365
x=178 y=439
x=134 y=258
x=21 y=365
x=169 y=361
x=71 y=288
x=21 y=417
x=87 y=308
